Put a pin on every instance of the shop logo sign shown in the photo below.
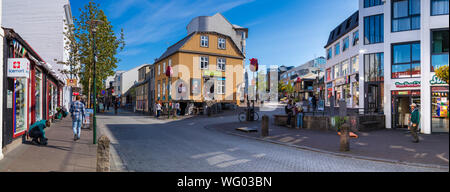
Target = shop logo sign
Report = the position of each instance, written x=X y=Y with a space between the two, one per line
x=436 y=81
x=18 y=68
x=407 y=84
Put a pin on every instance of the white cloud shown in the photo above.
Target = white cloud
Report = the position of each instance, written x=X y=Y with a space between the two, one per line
x=153 y=21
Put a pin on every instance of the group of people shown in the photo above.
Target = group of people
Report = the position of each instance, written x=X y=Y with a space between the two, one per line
x=159 y=108
x=292 y=109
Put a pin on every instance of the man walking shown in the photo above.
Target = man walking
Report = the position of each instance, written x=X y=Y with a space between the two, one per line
x=77 y=110
x=414 y=122
x=158 y=110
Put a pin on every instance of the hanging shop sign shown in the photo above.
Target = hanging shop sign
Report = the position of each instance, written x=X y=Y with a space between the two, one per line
x=71 y=82
x=340 y=81
x=436 y=81
x=18 y=67
x=407 y=84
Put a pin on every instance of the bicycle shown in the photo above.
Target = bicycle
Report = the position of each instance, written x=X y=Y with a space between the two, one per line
x=243 y=115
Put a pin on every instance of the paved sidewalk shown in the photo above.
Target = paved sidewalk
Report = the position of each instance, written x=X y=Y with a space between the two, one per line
x=62 y=154
x=393 y=146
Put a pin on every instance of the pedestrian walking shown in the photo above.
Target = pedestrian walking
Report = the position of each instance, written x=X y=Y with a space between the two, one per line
x=290 y=111
x=77 y=109
x=177 y=108
x=116 y=106
x=314 y=102
x=158 y=109
x=414 y=122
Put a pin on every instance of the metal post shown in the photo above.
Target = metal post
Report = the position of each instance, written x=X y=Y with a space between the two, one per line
x=95 y=96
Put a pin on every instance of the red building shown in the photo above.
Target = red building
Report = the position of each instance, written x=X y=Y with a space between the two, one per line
x=32 y=89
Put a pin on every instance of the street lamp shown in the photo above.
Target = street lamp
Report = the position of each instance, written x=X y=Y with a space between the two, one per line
x=94 y=24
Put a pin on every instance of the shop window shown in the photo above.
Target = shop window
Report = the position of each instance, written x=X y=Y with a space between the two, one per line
x=439 y=109
x=38 y=96
x=20 y=105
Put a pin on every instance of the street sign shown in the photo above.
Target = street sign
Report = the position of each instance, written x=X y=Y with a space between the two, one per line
x=18 y=67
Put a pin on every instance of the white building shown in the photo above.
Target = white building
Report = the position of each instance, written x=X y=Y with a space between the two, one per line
x=42 y=25
x=403 y=42
x=342 y=67
x=125 y=79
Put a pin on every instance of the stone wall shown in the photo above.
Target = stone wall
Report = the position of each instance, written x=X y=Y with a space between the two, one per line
x=323 y=123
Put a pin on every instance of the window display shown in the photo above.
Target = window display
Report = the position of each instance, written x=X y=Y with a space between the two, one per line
x=20 y=105
x=439 y=109
x=355 y=94
x=38 y=97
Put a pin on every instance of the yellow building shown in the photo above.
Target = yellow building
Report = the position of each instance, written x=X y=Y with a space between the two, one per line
x=206 y=66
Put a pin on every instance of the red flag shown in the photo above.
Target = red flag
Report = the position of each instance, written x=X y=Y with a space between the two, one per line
x=254 y=65
x=169 y=71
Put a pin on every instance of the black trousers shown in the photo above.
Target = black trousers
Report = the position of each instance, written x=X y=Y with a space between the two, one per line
x=414 y=134
x=38 y=136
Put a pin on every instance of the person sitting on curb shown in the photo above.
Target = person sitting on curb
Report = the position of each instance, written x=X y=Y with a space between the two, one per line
x=37 y=132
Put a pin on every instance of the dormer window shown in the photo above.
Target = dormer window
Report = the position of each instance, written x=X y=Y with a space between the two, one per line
x=204 y=41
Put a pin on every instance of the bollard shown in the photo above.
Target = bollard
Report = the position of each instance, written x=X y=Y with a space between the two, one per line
x=265 y=126
x=103 y=164
x=345 y=144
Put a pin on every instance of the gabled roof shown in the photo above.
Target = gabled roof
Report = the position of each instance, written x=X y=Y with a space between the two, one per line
x=345 y=27
x=178 y=45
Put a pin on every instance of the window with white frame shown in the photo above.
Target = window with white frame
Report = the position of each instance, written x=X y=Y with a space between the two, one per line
x=221 y=86
x=355 y=63
x=164 y=67
x=221 y=62
x=204 y=62
x=204 y=41
x=345 y=68
x=170 y=62
x=158 y=89
x=159 y=69
x=221 y=43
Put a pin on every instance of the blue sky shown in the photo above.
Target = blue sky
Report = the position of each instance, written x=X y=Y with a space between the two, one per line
x=280 y=32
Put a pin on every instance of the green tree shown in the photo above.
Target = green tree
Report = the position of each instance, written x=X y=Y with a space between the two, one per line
x=442 y=73
x=80 y=48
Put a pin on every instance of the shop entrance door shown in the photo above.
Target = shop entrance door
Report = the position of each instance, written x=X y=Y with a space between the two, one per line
x=401 y=111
